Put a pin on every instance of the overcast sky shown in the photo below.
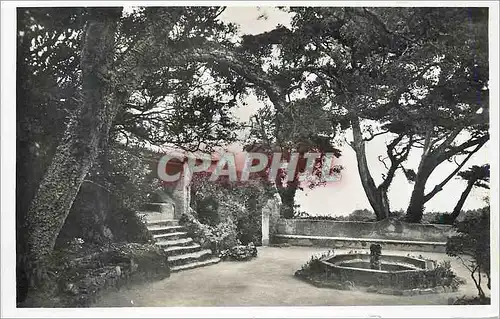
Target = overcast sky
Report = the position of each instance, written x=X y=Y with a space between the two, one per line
x=347 y=195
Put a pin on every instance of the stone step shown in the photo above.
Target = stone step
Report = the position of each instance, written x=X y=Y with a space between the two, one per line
x=174 y=242
x=189 y=257
x=169 y=236
x=164 y=208
x=165 y=229
x=195 y=264
x=347 y=242
x=178 y=250
x=162 y=222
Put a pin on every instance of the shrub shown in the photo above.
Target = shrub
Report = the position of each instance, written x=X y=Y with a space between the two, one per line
x=397 y=214
x=441 y=275
x=207 y=209
x=473 y=239
x=314 y=265
x=128 y=227
x=239 y=253
x=241 y=203
x=363 y=215
x=220 y=237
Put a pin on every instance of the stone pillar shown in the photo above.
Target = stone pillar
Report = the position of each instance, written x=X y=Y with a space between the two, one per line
x=270 y=214
x=265 y=226
x=182 y=192
x=186 y=188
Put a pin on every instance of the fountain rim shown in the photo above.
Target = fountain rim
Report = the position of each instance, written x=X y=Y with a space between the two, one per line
x=325 y=261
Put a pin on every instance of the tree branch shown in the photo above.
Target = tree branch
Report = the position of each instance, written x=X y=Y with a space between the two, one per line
x=447 y=142
x=395 y=160
x=440 y=186
x=462 y=147
x=372 y=136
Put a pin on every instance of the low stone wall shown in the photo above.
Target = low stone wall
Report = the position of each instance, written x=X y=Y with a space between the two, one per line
x=358 y=243
x=387 y=229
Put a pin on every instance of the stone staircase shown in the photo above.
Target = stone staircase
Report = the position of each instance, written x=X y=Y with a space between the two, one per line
x=183 y=252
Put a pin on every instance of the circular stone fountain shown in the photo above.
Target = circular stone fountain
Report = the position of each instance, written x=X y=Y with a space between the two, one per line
x=386 y=274
x=394 y=270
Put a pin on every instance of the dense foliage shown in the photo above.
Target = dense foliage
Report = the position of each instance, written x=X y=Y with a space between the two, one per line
x=425 y=85
x=240 y=202
x=218 y=237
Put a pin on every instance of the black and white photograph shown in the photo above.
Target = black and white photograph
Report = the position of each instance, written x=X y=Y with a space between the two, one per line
x=249 y=159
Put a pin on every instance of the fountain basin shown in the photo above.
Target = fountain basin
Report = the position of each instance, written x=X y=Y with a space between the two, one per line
x=396 y=271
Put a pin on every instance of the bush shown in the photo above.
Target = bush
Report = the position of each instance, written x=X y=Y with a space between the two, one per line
x=220 y=237
x=128 y=227
x=239 y=253
x=441 y=275
x=314 y=265
x=223 y=201
x=473 y=239
x=207 y=210
x=362 y=215
x=78 y=277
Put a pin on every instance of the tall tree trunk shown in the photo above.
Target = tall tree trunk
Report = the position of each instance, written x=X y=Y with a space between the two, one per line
x=415 y=209
x=450 y=219
x=377 y=197
x=384 y=208
x=287 y=195
x=79 y=146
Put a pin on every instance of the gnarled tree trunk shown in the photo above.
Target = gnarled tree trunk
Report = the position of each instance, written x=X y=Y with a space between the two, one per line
x=377 y=196
x=415 y=208
x=428 y=163
x=79 y=146
x=450 y=219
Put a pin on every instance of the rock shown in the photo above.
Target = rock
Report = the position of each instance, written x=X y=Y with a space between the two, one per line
x=148 y=260
x=110 y=267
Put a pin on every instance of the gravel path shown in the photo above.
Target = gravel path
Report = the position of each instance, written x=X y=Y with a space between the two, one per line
x=265 y=281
